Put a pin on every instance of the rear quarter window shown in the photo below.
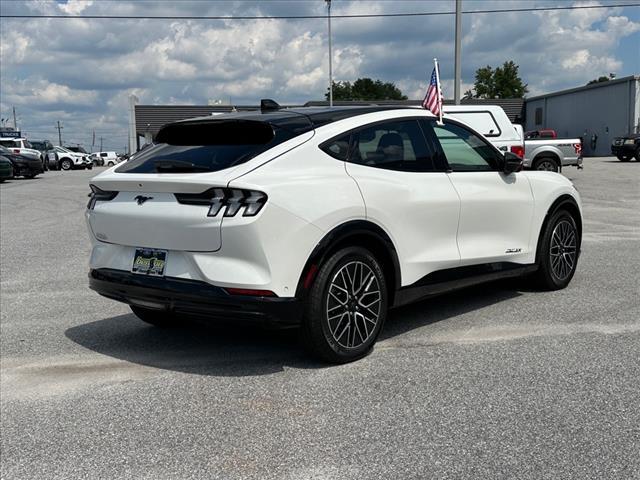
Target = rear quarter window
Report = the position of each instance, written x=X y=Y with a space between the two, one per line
x=337 y=147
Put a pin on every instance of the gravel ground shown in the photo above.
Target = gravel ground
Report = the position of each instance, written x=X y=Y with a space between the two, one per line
x=497 y=381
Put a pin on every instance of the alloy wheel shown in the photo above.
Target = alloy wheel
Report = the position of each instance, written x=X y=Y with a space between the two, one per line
x=563 y=250
x=353 y=304
x=547 y=165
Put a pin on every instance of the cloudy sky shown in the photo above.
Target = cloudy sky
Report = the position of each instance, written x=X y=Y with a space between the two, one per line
x=81 y=71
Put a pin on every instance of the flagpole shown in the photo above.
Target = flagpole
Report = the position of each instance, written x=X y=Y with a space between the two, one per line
x=438 y=91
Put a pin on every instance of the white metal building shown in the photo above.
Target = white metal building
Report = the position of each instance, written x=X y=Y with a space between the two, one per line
x=598 y=113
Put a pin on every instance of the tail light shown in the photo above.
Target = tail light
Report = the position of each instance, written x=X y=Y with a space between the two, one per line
x=232 y=200
x=99 y=194
x=16 y=150
x=578 y=148
x=518 y=150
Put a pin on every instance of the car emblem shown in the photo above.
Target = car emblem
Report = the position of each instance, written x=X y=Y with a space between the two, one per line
x=141 y=199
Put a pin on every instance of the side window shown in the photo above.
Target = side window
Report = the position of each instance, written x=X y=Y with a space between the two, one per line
x=103 y=154
x=337 y=147
x=395 y=145
x=8 y=143
x=465 y=151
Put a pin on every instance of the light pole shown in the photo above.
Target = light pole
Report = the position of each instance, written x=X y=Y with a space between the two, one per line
x=457 y=64
x=59 y=127
x=330 y=55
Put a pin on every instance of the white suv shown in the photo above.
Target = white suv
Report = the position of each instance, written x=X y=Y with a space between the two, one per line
x=69 y=160
x=108 y=159
x=323 y=218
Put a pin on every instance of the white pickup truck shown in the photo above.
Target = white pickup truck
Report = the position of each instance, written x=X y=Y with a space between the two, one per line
x=493 y=123
x=552 y=154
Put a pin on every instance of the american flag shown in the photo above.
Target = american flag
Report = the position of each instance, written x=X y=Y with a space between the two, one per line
x=432 y=100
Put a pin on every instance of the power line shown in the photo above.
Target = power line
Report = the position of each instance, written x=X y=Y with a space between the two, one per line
x=309 y=17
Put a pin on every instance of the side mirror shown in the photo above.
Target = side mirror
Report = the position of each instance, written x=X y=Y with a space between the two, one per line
x=512 y=163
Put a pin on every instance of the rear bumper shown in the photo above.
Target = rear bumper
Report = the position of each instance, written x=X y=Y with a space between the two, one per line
x=28 y=168
x=572 y=161
x=192 y=297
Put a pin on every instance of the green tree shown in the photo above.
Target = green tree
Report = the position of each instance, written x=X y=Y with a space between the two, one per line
x=365 y=89
x=503 y=82
x=598 y=80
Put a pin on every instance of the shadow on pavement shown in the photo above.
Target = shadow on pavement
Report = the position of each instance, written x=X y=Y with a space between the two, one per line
x=242 y=350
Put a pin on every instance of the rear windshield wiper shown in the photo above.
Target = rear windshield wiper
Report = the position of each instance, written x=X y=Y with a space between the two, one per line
x=178 y=166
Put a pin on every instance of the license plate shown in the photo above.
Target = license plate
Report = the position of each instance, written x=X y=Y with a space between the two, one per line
x=149 y=261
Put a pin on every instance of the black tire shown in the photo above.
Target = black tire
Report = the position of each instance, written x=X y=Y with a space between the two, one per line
x=157 y=318
x=318 y=337
x=623 y=158
x=548 y=164
x=554 y=271
x=637 y=155
x=66 y=164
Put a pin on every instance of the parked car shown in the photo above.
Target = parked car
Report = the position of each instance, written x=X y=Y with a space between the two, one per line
x=493 y=123
x=20 y=146
x=68 y=160
x=106 y=158
x=23 y=166
x=543 y=133
x=47 y=153
x=96 y=160
x=552 y=154
x=6 y=168
x=323 y=218
x=77 y=149
x=626 y=148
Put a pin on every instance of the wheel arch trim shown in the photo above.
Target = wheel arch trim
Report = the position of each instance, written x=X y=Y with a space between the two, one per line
x=351 y=230
x=549 y=154
x=564 y=200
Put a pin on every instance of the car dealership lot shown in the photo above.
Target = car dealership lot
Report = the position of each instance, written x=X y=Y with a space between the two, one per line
x=494 y=381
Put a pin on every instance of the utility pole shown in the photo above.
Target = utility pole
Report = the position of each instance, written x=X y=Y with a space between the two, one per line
x=100 y=143
x=133 y=141
x=15 y=123
x=330 y=55
x=457 y=67
x=59 y=127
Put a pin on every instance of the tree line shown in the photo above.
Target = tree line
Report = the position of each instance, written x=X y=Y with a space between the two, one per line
x=501 y=82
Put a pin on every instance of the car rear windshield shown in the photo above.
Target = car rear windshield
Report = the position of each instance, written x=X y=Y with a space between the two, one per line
x=206 y=146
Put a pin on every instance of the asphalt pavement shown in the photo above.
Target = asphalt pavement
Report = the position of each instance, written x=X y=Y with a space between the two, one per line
x=496 y=381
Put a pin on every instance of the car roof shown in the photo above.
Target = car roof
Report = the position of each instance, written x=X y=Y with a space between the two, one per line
x=298 y=120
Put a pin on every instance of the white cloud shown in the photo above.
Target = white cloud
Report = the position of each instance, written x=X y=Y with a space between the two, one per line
x=75 y=7
x=13 y=49
x=46 y=94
